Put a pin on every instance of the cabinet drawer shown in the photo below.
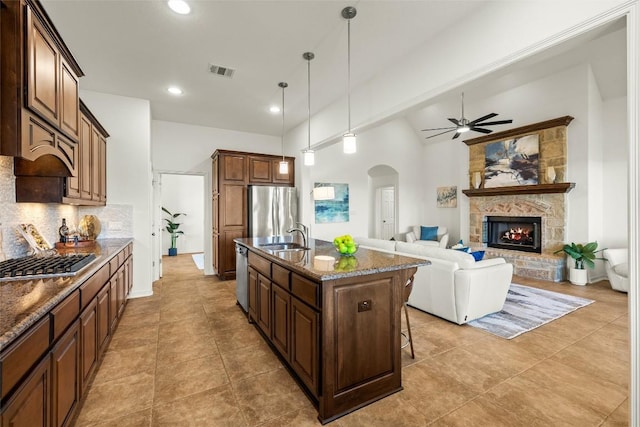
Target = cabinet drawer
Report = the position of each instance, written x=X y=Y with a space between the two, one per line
x=260 y=264
x=21 y=356
x=280 y=276
x=304 y=289
x=113 y=265
x=92 y=286
x=64 y=313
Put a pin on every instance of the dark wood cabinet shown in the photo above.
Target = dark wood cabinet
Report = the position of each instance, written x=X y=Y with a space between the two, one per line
x=264 y=304
x=233 y=171
x=66 y=377
x=31 y=404
x=89 y=341
x=45 y=371
x=252 y=275
x=39 y=101
x=280 y=320
x=52 y=89
x=102 y=311
x=58 y=145
x=89 y=186
x=286 y=320
x=304 y=344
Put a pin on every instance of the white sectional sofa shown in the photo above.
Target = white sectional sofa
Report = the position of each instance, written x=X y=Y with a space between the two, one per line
x=455 y=286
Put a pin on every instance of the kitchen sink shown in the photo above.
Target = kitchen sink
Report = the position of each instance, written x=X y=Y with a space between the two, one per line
x=286 y=246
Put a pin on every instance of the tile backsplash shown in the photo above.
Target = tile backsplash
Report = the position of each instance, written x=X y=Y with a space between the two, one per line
x=116 y=220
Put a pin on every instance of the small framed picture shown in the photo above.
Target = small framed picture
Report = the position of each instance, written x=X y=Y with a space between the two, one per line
x=447 y=197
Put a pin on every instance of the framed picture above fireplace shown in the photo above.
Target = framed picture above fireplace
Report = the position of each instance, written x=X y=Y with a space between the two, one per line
x=512 y=162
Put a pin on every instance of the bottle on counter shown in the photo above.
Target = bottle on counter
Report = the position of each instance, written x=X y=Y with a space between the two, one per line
x=63 y=231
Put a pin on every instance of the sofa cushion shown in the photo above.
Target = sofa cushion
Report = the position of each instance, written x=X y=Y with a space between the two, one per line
x=410 y=237
x=441 y=231
x=622 y=269
x=428 y=233
x=427 y=243
x=464 y=260
x=385 y=245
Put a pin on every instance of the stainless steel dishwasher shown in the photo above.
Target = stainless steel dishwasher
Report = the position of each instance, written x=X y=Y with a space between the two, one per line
x=242 y=279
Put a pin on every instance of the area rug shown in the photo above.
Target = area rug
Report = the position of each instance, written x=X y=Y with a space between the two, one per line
x=199 y=260
x=527 y=308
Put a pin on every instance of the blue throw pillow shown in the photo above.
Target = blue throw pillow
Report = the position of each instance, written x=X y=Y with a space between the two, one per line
x=478 y=255
x=428 y=233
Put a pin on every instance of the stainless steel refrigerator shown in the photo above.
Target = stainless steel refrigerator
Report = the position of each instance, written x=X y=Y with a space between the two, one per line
x=272 y=210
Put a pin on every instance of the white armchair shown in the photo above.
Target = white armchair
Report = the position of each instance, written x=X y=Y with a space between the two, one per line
x=413 y=236
x=617 y=268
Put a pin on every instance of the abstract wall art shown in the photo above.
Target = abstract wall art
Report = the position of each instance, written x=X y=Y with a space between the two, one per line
x=335 y=210
x=512 y=162
x=447 y=197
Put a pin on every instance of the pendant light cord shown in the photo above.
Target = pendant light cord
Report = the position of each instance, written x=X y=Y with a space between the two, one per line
x=282 y=85
x=349 y=73
x=309 y=101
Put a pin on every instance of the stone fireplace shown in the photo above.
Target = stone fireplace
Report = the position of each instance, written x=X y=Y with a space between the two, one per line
x=528 y=220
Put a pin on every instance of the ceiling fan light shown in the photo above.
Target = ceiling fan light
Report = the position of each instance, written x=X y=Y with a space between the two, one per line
x=463 y=129
x=349 y=143
x=309 y=157
x=284 y=167
x=179 y=6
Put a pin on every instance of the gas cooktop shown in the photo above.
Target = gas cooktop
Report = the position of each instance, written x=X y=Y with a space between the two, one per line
x=40 y=267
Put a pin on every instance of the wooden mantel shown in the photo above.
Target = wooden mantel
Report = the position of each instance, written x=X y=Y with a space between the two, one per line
x=511 y=133
x=561 y=187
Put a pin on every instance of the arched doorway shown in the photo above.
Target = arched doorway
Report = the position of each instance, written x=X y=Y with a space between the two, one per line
x=383 y=196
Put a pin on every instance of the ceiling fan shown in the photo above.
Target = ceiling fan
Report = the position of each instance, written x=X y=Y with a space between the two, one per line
x=463 y=125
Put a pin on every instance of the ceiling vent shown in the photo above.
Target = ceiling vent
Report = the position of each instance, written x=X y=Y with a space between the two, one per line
x=219 y=70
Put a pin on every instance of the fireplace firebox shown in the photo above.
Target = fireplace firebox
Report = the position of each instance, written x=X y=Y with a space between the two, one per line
x=520 y=233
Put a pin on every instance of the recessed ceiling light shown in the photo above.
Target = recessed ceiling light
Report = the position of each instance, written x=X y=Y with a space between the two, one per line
x=274 y=109
x=179 y=6
x=174 y=90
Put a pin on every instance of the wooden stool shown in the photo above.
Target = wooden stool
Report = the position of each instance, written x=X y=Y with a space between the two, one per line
x=409 y=340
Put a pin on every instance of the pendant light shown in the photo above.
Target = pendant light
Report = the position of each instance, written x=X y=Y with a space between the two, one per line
x=309 y=155
x=349 y=138
x=284 y=165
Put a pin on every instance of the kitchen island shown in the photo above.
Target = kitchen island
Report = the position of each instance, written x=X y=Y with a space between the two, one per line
x=336 y=325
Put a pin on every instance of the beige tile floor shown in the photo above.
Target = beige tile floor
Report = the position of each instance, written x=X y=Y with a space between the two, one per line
x=187 y=357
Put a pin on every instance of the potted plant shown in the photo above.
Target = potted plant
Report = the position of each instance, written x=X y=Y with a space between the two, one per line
x=583 y=255
x=172 y=228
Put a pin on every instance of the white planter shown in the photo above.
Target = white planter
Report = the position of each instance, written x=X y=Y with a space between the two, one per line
x=578 y=277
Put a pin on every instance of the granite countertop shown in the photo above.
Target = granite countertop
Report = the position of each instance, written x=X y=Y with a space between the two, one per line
x=24 y=302
x=364 y=262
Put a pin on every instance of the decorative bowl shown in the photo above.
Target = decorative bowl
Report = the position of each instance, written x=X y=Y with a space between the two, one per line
x=348 y=252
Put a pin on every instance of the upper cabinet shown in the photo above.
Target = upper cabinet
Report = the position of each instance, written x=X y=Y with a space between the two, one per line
x=40 y=106
x=58 y=145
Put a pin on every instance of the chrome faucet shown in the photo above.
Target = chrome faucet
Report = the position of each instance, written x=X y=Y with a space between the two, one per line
x=303 y=230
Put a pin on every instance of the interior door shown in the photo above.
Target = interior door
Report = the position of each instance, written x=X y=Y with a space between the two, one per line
x=387 y=212
x=156 y=228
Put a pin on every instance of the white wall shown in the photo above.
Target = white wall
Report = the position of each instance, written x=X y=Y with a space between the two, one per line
x=182 y=148
x=615 y=167
x=394 y=144
x=129 y=172
x=184 y=194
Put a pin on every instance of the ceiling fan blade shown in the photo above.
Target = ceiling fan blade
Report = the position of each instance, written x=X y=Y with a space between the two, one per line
x=481 y=130
x=483 y=118
x=450 y=128
x=441 y=133
x=454 y=121
x=499 y=122
x=457 y=134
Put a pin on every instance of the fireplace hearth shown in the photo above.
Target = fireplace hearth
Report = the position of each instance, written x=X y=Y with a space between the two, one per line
x=515 y=233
